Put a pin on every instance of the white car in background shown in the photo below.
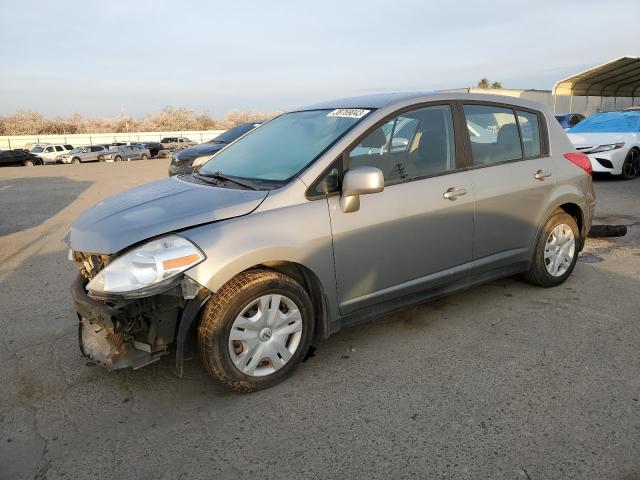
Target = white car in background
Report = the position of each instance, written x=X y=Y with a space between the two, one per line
x=48 y=153
x=611 y=140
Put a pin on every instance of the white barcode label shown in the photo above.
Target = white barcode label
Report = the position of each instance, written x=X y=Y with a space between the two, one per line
x=348 y=112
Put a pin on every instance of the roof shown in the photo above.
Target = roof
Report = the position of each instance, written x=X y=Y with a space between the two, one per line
x=377 y=100
x=618 y=78
x=382 y=100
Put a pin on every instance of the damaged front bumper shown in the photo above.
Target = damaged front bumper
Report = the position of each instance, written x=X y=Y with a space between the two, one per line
x=133 y=333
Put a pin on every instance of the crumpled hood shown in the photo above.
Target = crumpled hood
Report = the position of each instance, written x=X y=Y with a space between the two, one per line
x=155 y=208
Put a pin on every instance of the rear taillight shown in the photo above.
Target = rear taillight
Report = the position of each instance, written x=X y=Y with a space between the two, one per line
x=581 y=160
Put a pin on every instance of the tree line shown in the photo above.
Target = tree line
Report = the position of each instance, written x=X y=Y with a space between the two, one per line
x=24 y=122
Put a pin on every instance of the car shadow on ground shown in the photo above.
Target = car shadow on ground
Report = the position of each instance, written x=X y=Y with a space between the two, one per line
x=19 y=211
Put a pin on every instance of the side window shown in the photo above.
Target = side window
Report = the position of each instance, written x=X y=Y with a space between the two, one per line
x=96 y=149
x=414 y=144
x=530 y=131
x=493 y=133
x=59 y=148
x=48 y=150
x=68 y=147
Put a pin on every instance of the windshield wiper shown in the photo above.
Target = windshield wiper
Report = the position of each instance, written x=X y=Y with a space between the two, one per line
x=221 y=177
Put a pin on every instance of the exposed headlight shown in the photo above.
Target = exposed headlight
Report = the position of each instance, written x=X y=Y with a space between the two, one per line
x=607 y=147
x=200 y=160
x=147 y=269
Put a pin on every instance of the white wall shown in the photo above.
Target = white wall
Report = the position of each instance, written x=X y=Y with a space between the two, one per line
x=9 y=142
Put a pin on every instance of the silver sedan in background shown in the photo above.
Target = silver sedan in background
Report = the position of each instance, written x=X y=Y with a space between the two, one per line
x=125 y=153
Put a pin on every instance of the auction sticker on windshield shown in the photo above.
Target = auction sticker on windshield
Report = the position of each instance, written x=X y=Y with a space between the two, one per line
x=348 y=112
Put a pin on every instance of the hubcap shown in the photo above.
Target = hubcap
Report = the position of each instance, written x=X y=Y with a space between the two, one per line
x=265 y=336
x=559 y=250
x=631 y=164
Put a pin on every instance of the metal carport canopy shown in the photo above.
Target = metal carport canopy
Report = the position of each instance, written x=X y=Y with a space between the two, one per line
x=618 y=78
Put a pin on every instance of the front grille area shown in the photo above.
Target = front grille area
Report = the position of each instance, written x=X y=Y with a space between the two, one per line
x=90 y=263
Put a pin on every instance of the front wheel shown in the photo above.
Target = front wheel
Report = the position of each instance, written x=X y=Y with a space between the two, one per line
x=75 y=160
x=144 y=157
x=117 y=158
x=631 y=165
x=556 y=251
x=29 y=163
x=255 y=330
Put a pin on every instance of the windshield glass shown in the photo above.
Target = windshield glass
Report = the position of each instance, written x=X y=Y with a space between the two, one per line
x=37 y=149
x=282 y=147
x=609 y=122
x=76 y=150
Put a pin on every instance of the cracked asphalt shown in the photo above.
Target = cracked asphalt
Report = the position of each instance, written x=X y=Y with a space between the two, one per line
x=505 y=381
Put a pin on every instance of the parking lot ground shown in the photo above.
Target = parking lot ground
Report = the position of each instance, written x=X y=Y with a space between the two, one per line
x=503 y=381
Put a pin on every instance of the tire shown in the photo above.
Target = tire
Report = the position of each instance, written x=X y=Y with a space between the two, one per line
x=117 y=158
x=75 y=160
x=237 y=301
x=541 y=269
x=144 y=157
x=29 y=163
x=631 y=165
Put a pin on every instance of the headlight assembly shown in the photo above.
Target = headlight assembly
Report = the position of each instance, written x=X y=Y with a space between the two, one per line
x=147 y=269
x=200 y=160
x=606 y=148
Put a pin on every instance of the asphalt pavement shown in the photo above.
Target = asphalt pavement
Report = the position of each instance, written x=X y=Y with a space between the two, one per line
x=505 y=381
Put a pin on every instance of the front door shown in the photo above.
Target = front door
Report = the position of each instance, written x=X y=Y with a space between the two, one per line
x=410 y=235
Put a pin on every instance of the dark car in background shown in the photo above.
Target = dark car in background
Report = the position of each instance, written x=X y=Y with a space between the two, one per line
x=187 y=160
x=19 y=157
x=570 y=120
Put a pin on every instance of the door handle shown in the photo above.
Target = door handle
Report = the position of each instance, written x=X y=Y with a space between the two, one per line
x=453 y=193
x=541 y=175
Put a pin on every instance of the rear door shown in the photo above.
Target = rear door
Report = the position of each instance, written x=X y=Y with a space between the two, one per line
x=409 y=236
x=512 y=176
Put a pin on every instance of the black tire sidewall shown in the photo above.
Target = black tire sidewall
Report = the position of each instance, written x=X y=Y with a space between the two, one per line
x=627 y=159
x=539 y=265
x=220 y=356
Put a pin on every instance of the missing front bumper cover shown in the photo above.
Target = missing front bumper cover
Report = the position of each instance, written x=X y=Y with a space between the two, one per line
x=109 y=349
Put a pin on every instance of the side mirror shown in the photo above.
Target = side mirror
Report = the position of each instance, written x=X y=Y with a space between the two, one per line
x=359 y=181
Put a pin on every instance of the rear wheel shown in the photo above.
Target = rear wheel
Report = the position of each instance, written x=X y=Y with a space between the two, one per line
x=631 y=165
x=556 y=251
x=255 y=330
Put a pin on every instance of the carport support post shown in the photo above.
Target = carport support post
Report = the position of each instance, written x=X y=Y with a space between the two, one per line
x=571 y=102
x=555 y=98
x=9 y=140
x=586 y=105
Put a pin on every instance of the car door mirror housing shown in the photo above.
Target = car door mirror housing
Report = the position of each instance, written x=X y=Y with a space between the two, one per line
x=359 y=181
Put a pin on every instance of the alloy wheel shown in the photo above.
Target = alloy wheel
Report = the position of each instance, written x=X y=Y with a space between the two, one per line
x=265 y=335
x=559 y=250
x=631 y=166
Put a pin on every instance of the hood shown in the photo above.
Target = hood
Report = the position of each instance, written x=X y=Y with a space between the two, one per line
x=196 y=151
x=599 y=138
x=159 y=207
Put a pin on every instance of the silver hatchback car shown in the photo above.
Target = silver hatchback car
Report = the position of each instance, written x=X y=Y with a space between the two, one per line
x=322 y=218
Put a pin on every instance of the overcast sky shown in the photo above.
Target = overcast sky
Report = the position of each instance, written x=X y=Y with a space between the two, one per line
x=138 y=56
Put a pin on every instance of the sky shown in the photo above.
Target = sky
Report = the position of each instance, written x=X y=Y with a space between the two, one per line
x=106 y=57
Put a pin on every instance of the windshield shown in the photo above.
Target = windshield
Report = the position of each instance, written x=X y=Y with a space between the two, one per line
x=282 y=147
x=76 y=150
x=233 y=133
x=37 y=149
x=609 y=122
